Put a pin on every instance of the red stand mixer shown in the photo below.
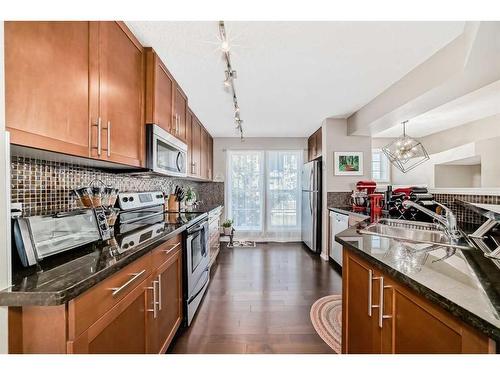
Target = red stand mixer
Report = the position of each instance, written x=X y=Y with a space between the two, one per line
x=360 y=196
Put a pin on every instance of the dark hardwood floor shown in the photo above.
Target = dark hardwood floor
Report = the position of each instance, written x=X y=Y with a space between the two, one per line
x=259 y=300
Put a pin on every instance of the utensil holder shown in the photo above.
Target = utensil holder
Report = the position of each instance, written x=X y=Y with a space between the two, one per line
x=173 y=203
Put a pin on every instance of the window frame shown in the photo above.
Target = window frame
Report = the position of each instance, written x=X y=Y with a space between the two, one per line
x=387 y=165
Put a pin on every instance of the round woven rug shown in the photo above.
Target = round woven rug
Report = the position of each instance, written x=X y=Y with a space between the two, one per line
x=326 y=317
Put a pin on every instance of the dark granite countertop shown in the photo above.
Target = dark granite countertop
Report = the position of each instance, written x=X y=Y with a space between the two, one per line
x=467 y=284
x=60 y=278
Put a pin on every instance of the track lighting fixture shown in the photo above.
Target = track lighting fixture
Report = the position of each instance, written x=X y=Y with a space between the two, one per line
x=230 y=76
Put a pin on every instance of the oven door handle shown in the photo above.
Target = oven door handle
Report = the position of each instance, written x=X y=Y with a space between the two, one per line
x=130 y=221
x=197 y=229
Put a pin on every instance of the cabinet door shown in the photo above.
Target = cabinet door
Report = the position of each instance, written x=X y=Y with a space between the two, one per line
x=189 y=141
x=159 y=92
x=168 y=281
x=311 y=148
x=360 y=331
x=121 y=97
x=210 y=158
x=180 y=110
x=47 y=85
x=204 y=154
x=196 y=145
x=318 y=140
x=122 y=330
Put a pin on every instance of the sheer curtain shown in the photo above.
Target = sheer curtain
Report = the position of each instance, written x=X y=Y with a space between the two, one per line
x=263 y=194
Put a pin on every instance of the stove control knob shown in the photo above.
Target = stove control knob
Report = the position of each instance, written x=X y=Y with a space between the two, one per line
x=159 y=196
x=125 y=199
x=131 y=199
x=104 y=227
x=101 y=217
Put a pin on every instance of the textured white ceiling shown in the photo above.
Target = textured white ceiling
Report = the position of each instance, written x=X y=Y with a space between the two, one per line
x=291 y=75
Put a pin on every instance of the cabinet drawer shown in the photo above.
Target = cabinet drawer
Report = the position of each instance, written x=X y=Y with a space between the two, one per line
x=166 y=250
x=93 y=304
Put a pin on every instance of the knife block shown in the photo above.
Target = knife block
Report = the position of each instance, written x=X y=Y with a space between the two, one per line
x=173 y=203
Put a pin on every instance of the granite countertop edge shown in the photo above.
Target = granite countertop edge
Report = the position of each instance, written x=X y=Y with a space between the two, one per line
x=456 y=310
x=348 y=211
x=34 y=298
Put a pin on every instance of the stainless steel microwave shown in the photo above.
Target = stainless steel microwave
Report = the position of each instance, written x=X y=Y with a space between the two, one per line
x=165 y=154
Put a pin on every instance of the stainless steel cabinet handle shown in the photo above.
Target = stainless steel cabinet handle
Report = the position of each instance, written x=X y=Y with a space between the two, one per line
x=381 y=315
x=370 y=291
x=130 y=281
x=155 y=303
x=172 y=248
x=99 y=145
x=159 y=292
x=109 y=139
x=370 y=278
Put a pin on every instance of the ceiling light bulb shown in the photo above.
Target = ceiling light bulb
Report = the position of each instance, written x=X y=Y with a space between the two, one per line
x=227 y=82
x=225 y=46
x=237 y=109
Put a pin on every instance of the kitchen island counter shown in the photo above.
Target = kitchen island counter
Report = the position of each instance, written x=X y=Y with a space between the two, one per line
x=466 y=285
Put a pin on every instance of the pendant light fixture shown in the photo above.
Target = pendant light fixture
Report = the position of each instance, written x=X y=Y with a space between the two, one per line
x=230 y=76
x=405 y=152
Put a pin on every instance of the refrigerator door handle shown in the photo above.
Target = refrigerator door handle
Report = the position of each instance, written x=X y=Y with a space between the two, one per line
x=311 y=186
x=311 y=203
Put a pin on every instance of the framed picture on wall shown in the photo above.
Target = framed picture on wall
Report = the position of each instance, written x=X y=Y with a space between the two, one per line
x=348 y=163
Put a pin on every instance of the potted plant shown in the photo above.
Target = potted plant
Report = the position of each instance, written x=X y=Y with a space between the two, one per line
x=190 y=196
x=227 y=226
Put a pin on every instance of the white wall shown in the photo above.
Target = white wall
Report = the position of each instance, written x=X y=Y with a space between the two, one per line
x=335 y=138
x=222 y=144
x=5 y=278
x=457 y=176
x=477 y=138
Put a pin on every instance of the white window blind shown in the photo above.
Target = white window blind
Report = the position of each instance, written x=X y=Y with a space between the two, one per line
x=380 y=166
x=263 y=193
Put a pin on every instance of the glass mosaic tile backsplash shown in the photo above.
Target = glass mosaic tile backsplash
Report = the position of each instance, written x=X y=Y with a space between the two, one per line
x=43 y=186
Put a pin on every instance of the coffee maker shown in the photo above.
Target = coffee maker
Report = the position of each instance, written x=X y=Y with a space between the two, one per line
x=360 y=196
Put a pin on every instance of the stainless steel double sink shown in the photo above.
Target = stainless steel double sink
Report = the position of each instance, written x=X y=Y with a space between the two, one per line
x=413 y=232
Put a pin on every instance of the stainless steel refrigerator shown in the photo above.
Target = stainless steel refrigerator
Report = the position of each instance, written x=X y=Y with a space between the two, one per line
x=311 y=205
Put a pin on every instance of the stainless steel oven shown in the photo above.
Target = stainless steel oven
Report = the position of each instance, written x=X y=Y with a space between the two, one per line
x=196 y=266
x=166 y=155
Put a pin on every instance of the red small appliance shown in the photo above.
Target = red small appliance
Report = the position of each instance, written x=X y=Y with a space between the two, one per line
x=360 y=196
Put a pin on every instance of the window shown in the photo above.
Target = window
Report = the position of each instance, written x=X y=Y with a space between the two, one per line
x=245 y=171
x=380 y=166
x=263 y=192
x=283 y=190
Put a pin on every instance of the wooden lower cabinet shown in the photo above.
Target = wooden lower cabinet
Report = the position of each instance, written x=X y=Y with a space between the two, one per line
x=163 y=325
x=407 y=324
x=122 y=330
x=136 y=310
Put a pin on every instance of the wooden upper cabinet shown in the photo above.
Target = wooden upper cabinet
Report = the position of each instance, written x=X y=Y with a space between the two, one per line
x=189 y=140
x=47 y=85
x=196 y=147
x=121 y=94
x=210 y=158
x=311 y=148
x=159 y=92
x=76 y=88
x=204 y=154
x=180 y=112
x=314 y=145
x=319 y=140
